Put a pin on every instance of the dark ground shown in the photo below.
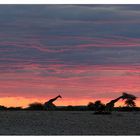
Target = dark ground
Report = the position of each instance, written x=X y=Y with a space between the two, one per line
x=68 y=123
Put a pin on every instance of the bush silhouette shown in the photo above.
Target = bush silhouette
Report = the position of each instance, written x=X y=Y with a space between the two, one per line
x=97 y=106
x=35 y=106
x=3 y=107
x=90 y=106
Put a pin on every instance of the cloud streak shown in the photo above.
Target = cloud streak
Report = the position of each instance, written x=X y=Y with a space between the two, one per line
x=88 y=51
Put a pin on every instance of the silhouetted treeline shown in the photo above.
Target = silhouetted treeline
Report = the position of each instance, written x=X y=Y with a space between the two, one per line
x=96 y=106
x=10 y=108
x=72 y=108
x=127 y=109
x=39 y=107
x=86 y=108
x=66 y=108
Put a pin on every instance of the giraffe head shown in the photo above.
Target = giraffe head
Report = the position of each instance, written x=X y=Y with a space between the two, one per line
x=59 y=96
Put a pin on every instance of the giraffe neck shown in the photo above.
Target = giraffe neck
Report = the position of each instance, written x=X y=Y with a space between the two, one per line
x=56 y=98
x=53 y=99
x=110 y=105
x=115 y=100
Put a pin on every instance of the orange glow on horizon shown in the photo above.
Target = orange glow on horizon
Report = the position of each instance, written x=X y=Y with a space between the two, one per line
x=24 y=102
x=87 y=84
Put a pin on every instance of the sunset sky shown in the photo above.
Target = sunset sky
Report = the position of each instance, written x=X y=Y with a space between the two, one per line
x=83 y=52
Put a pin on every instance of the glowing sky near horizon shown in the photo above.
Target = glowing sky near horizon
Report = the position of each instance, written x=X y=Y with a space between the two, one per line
x=83 y=52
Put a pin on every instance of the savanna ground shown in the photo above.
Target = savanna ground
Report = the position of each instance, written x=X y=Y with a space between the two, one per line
x=68 y=123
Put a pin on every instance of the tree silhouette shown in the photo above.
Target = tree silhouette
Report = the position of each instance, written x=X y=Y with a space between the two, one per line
x=99 y=106
x=130 y=102
x=128 y=96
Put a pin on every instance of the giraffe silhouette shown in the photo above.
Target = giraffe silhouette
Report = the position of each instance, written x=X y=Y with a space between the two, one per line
x=49 y=105
x=109 y=106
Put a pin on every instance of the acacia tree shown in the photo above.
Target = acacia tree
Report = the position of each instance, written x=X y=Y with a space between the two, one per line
x=130 y=102
x=129 y=99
